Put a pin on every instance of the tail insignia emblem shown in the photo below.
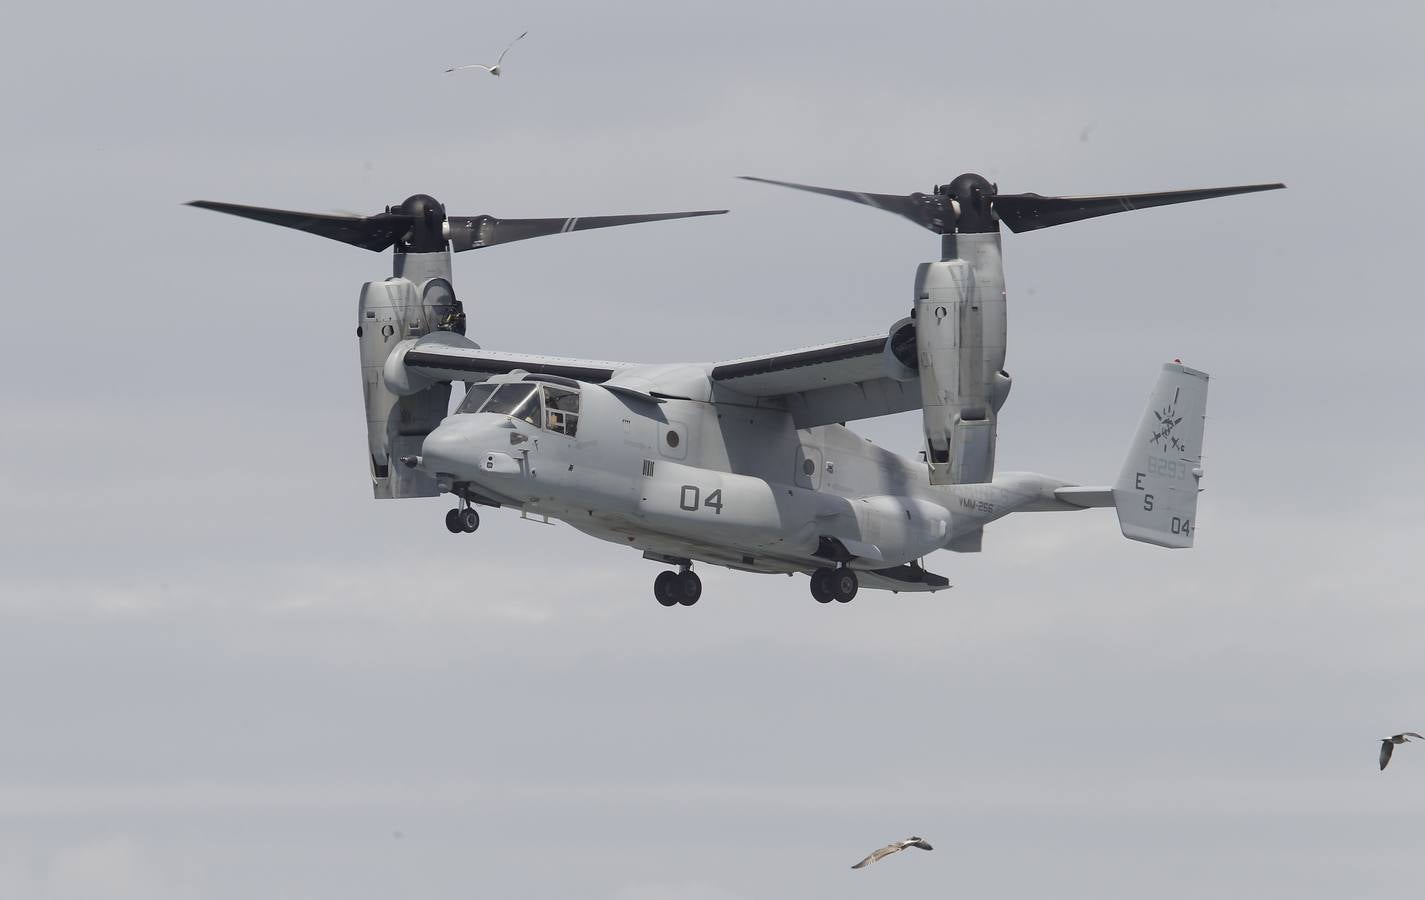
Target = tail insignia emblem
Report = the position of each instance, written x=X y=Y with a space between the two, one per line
x=1168 y=419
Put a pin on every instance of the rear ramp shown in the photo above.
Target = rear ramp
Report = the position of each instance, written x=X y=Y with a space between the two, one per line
x=909 y=577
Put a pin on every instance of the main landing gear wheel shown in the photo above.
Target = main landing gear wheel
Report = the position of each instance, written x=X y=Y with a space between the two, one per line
x=834 y=584
x=469 y=520
x=673 y=588
x=663 y=588
x=687 y=587
x=462 y=519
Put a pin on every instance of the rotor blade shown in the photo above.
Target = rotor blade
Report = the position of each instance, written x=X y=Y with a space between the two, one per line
x=1027 y=212
x=372 y=232
x=474 y=232
x=926 y=210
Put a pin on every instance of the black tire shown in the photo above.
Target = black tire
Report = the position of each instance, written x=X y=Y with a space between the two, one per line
x=820 y=586
x=663 y=588
x=452 y=522
x=844 y=585
x=688 y=587
x=469 y=520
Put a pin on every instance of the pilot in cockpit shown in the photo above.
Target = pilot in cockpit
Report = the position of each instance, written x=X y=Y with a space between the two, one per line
x=561 y=410
x=521 y=400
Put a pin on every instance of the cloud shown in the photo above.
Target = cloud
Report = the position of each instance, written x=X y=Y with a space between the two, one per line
x=114 y=866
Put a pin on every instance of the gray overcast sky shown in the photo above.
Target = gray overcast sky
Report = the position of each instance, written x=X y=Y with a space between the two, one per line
x=228 y=673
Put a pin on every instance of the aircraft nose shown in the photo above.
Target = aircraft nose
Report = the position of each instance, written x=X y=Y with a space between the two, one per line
x=452 y=448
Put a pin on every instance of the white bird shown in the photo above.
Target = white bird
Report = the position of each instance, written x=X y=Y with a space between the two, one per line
x=1387 y=745
x=493 y=70
x=898 y=846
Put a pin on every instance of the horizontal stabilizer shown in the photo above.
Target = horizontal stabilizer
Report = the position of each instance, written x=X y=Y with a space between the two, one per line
x=1085 y=497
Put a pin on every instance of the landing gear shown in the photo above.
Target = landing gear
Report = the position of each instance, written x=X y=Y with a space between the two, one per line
x=838 y=584
x=673 y=588
x=688 y=587
x=662 y=588
x=462 y=519
x=844 y=585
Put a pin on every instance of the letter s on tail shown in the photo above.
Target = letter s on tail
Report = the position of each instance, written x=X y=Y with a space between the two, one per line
x=1156 y=492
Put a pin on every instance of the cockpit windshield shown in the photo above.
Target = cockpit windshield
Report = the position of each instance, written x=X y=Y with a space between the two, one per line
x=521 y=400
x=475 y=395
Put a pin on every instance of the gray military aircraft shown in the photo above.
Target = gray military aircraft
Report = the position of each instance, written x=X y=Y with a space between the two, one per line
x=748 y=463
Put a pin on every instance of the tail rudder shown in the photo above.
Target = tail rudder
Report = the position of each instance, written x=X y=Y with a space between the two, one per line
x=1156 y=492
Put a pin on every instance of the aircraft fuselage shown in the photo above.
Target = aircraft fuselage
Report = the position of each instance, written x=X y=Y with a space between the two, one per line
x=733 y=485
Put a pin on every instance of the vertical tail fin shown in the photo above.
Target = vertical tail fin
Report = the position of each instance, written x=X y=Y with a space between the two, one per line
x=1156 y=492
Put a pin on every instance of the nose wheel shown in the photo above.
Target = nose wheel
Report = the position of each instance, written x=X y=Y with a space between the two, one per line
x=838 y=584
x=463 y=519
x=674 y=588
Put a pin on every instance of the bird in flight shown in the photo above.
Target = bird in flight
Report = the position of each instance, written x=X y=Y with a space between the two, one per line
x=493 y=70
x=1387 y=745
x=898 y=846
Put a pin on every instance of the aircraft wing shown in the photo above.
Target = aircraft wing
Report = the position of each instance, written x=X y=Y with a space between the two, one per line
x=820 y=385
x=838 y=382
x=447 y=360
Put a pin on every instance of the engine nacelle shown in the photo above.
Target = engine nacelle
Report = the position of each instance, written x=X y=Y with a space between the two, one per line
x=960 y=344
x=899 y=355
x=401 y=411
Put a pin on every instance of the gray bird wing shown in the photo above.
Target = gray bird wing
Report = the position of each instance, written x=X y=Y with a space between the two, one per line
x=507 y=49
x=1414 y=735
x=1386 y=749
x=879 y=854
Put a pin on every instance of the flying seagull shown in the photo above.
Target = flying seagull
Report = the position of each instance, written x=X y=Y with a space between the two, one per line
x=493 y=70
x=898 y=846
x=1387 y=745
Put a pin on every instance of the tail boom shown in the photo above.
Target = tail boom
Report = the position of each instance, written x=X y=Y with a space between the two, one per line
x=1155 y=495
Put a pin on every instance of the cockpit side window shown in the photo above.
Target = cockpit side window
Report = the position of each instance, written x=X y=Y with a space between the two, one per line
x=475 y=395
x=561 y=410
x=520 y=401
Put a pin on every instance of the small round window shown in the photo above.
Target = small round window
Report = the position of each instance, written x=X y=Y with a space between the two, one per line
x=672 y=438
x=808 y=466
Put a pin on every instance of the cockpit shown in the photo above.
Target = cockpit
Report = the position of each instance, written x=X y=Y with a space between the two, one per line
x=549 y=406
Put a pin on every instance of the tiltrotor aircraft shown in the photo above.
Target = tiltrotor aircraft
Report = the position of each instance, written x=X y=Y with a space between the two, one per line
x=748 y=463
